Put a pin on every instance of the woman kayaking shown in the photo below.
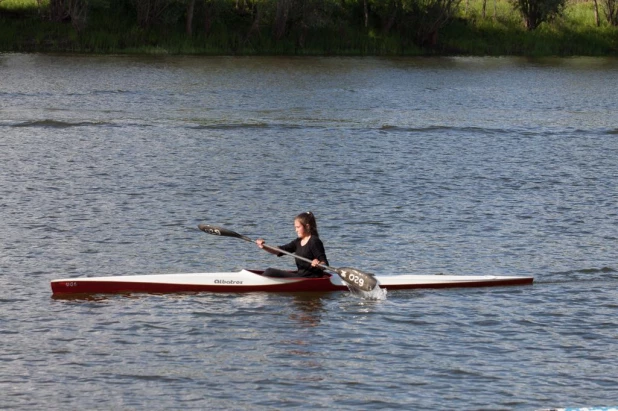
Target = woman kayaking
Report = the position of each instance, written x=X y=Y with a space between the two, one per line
x=307 y=245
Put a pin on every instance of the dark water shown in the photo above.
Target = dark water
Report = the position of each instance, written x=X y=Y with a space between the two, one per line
x=460 y=166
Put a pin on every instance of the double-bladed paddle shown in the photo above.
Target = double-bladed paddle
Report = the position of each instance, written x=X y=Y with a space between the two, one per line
x=355 y=278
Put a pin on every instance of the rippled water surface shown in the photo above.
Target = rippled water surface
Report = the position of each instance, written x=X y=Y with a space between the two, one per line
x=459 y=166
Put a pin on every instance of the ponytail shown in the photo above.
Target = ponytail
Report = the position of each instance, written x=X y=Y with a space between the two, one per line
x=307 y=219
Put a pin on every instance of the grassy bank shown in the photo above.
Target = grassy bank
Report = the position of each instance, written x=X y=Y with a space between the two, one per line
x=25 y=27
x=575 y=33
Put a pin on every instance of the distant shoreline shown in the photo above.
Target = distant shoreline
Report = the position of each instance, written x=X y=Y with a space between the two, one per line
x=468 y=33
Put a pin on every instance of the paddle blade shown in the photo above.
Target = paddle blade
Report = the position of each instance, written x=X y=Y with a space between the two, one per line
x=357 y=279
x=211 y=229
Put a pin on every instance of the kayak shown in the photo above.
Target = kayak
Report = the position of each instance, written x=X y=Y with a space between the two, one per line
x=253 y=281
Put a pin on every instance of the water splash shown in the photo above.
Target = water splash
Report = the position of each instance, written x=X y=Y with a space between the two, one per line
x=376 y=294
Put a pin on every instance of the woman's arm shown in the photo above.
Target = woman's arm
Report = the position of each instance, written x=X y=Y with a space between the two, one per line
x=260 y=243
x=319 y=252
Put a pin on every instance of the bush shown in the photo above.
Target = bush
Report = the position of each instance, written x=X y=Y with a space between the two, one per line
x=535 y=12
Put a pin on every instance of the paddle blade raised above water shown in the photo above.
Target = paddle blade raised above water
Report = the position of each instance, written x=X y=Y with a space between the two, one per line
x=211 y=229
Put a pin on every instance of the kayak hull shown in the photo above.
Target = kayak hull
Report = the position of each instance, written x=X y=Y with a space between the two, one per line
x=252 y=281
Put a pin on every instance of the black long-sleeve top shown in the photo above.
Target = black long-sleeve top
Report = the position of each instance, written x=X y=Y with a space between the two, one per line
x=313 y=249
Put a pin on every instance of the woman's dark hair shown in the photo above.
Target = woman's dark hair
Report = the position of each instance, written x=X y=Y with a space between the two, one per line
x=307 y=219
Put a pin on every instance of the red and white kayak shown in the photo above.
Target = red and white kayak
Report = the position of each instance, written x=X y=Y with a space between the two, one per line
x=252 y=280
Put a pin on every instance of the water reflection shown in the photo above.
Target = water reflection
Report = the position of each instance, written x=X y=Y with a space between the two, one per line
x=107 y=297
x=310 y=309
x=86 y=297
x=307 y=310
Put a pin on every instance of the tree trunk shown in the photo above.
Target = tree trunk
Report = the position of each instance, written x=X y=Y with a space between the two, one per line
x=366 y=12
x=78 y=13
x=57 y=10
x=391 y=21
x=281 y=18
x=208 y=12
x=189 y=22
x=611 y=11
x=255 y=26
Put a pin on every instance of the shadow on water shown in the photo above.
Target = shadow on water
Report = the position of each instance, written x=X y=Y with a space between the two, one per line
x=581 y=275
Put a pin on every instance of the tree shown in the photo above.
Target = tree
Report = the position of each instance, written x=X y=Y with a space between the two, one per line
x=535 y=12
x=366 y=13
x=596 y=13
x=282 y=16
x=78 y=12
x=212 y=11
x=416 y=21
x=74 y=11
x=189 y=19
x=611 y=11
x=429 y=16
x=150 y=12
x=58 y=10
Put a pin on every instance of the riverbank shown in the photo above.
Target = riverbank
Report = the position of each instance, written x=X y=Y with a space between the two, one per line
x=499 y=31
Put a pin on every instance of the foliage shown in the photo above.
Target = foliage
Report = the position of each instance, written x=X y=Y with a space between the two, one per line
x=611 y=11
x=535 y=12
x=152 y=12
x=359 y=27
x=427 y=17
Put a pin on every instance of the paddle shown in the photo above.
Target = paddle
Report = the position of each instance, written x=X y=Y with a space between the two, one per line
x=355 y=278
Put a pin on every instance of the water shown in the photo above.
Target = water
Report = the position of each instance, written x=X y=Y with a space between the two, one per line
x=457 y=165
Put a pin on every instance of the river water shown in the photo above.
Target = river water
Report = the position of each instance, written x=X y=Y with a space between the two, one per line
x=465 y=166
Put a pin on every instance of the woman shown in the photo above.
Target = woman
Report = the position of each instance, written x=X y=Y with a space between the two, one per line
x=308 y=245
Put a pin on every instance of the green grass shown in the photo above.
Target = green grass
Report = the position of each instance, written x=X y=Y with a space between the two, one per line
x=574 y=33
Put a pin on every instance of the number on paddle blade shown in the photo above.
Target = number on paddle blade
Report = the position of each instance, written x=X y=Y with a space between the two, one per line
x=209 y=229
x=359 y=279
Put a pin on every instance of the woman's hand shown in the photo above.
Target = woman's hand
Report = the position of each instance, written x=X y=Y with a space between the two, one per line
x=260 y=242
x=315 y=262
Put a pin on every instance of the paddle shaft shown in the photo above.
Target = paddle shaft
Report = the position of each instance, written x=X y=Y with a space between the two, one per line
x=298 y=257
x=278 y=250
